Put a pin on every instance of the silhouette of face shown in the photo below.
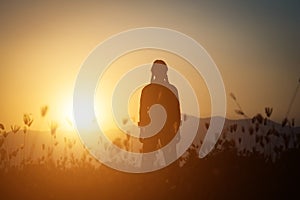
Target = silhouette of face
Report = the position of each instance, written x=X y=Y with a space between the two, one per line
x=159 y=71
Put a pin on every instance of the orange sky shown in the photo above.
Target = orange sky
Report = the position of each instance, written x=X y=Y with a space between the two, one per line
x=43 y=44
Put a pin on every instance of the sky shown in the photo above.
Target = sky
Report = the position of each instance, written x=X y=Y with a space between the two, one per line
x=255 y=45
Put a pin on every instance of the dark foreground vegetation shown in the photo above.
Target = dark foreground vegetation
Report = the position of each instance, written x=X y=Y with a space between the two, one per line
x=223 y=175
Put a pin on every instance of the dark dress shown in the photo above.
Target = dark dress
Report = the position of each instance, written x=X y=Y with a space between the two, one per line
x=168 y=98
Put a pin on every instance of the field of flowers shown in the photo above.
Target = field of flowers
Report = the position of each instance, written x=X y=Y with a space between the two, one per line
x=255 y=157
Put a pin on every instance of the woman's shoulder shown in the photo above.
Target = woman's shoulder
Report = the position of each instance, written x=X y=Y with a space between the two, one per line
x=154 y=86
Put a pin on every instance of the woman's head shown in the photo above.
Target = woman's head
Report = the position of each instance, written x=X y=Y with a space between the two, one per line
x=159 y=71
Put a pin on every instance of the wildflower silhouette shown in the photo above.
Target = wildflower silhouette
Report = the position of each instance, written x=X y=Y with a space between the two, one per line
x=44 y=110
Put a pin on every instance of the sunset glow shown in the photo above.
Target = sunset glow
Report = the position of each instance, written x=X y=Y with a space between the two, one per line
x=41 y=54
x=148 y=99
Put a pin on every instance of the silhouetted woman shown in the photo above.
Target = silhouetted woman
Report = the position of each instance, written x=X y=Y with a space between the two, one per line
x=160 y=91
